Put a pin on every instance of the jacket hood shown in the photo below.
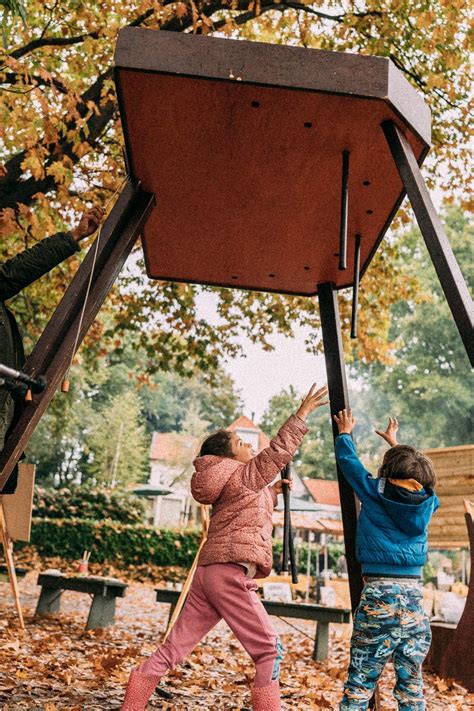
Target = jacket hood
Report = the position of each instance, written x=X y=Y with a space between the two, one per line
x=411 y=512
x=211 y=475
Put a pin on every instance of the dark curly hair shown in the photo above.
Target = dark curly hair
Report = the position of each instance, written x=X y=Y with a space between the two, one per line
x=217 y=444
x=405 y=462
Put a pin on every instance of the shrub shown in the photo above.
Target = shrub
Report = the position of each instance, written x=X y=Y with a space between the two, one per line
x=90 y=503
x=112 y=542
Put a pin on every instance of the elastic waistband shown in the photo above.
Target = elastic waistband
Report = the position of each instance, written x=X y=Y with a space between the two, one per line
x=390 y=580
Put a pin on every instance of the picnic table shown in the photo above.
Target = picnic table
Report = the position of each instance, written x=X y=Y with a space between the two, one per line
x=322 y=615
x=103 y=591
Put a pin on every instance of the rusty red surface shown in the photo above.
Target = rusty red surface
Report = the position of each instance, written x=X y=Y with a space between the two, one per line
x=247 y=176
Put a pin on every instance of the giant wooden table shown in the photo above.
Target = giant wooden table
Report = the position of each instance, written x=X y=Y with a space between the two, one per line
x=260 y=167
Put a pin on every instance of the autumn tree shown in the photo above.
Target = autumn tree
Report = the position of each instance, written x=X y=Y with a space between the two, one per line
x=61 y=149
x=429 y=384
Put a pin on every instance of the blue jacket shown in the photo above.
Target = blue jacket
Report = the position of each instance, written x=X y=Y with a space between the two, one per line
x=392 y=529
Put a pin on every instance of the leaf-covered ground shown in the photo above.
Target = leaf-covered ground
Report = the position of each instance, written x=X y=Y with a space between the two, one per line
x=56 y=665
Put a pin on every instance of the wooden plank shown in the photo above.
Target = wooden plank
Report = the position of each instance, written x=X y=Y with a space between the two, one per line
x=18 y=506
x=96 y=586
x=283 y=609
x=274 y=65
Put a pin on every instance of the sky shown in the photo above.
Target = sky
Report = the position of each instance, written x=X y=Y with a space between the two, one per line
x=262 y=374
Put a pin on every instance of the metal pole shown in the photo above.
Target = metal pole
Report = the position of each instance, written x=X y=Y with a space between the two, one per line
x=286 y=521
x=291 y=549
x=344 y=211
x=444 y=261
x=355 y=287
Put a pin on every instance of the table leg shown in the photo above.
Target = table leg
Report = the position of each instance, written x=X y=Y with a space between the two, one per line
x=49 y=601
x=320 y=652
x=102 y=612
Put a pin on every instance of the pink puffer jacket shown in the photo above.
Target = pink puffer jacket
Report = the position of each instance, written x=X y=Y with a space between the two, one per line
x=241 y=520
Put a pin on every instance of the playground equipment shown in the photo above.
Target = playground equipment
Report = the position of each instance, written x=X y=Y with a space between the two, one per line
x=261 y=167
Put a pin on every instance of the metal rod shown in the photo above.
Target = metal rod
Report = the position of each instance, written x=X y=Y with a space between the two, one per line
x=344 y=211
x=37 y=385
x=355 y=287
x=286 y=521
x=444 y=261
x=291 y=545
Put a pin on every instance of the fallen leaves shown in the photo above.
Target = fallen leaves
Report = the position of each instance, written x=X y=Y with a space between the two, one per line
x=56 y=665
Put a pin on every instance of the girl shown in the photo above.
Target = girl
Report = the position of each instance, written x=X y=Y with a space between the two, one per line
x=391 y=547
x=231 y=477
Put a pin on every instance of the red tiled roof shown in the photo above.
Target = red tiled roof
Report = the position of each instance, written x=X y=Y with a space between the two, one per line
x=246 y=423
x=323 y=491
x=305 y=522
x=171 y=446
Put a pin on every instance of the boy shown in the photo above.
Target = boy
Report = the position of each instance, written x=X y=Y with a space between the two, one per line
x=391 y=546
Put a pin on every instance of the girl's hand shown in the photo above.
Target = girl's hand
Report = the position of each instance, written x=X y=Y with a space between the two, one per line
x=314 y=399
x=390 y=434
x=278 y=485
x=345 y=421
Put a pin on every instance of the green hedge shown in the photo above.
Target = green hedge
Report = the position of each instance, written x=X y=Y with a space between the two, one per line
x=111 y=542
x=92 y=503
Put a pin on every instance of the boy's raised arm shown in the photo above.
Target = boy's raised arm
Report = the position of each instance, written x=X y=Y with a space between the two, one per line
x=351 y=466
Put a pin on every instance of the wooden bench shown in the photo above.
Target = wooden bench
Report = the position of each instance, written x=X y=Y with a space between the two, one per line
x=322 y=615
x=20 y=573
x=104 y=591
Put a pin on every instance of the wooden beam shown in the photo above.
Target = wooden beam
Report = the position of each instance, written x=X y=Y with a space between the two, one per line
x=339 y=399
x=53 y=352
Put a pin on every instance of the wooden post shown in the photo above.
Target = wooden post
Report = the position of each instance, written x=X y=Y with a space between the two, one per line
x=205 y=517
x=8 y=551
x=339 y=400
x=53 y=352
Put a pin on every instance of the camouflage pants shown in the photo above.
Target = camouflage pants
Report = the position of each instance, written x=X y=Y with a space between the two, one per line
x=389 y=622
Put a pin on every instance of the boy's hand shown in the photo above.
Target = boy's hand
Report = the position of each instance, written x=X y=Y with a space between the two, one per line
x=88 y=223
x=314 y=399
x=278 y=485
x=390 y=434
x=345 y=421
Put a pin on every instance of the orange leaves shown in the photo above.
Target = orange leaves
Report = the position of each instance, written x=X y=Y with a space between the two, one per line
x=8 y=223
x=61 y=174
x=34 y=165
x=181 y=10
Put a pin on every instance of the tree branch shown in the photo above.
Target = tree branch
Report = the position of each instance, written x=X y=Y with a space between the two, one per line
x=16 y=190
x=14 y=78
x=68 y=41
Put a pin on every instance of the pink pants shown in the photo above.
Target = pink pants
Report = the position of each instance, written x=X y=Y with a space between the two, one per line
x=221 y=591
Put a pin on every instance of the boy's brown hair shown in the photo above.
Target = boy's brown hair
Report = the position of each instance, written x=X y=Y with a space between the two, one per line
x=405 y=462
x=217 y=444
